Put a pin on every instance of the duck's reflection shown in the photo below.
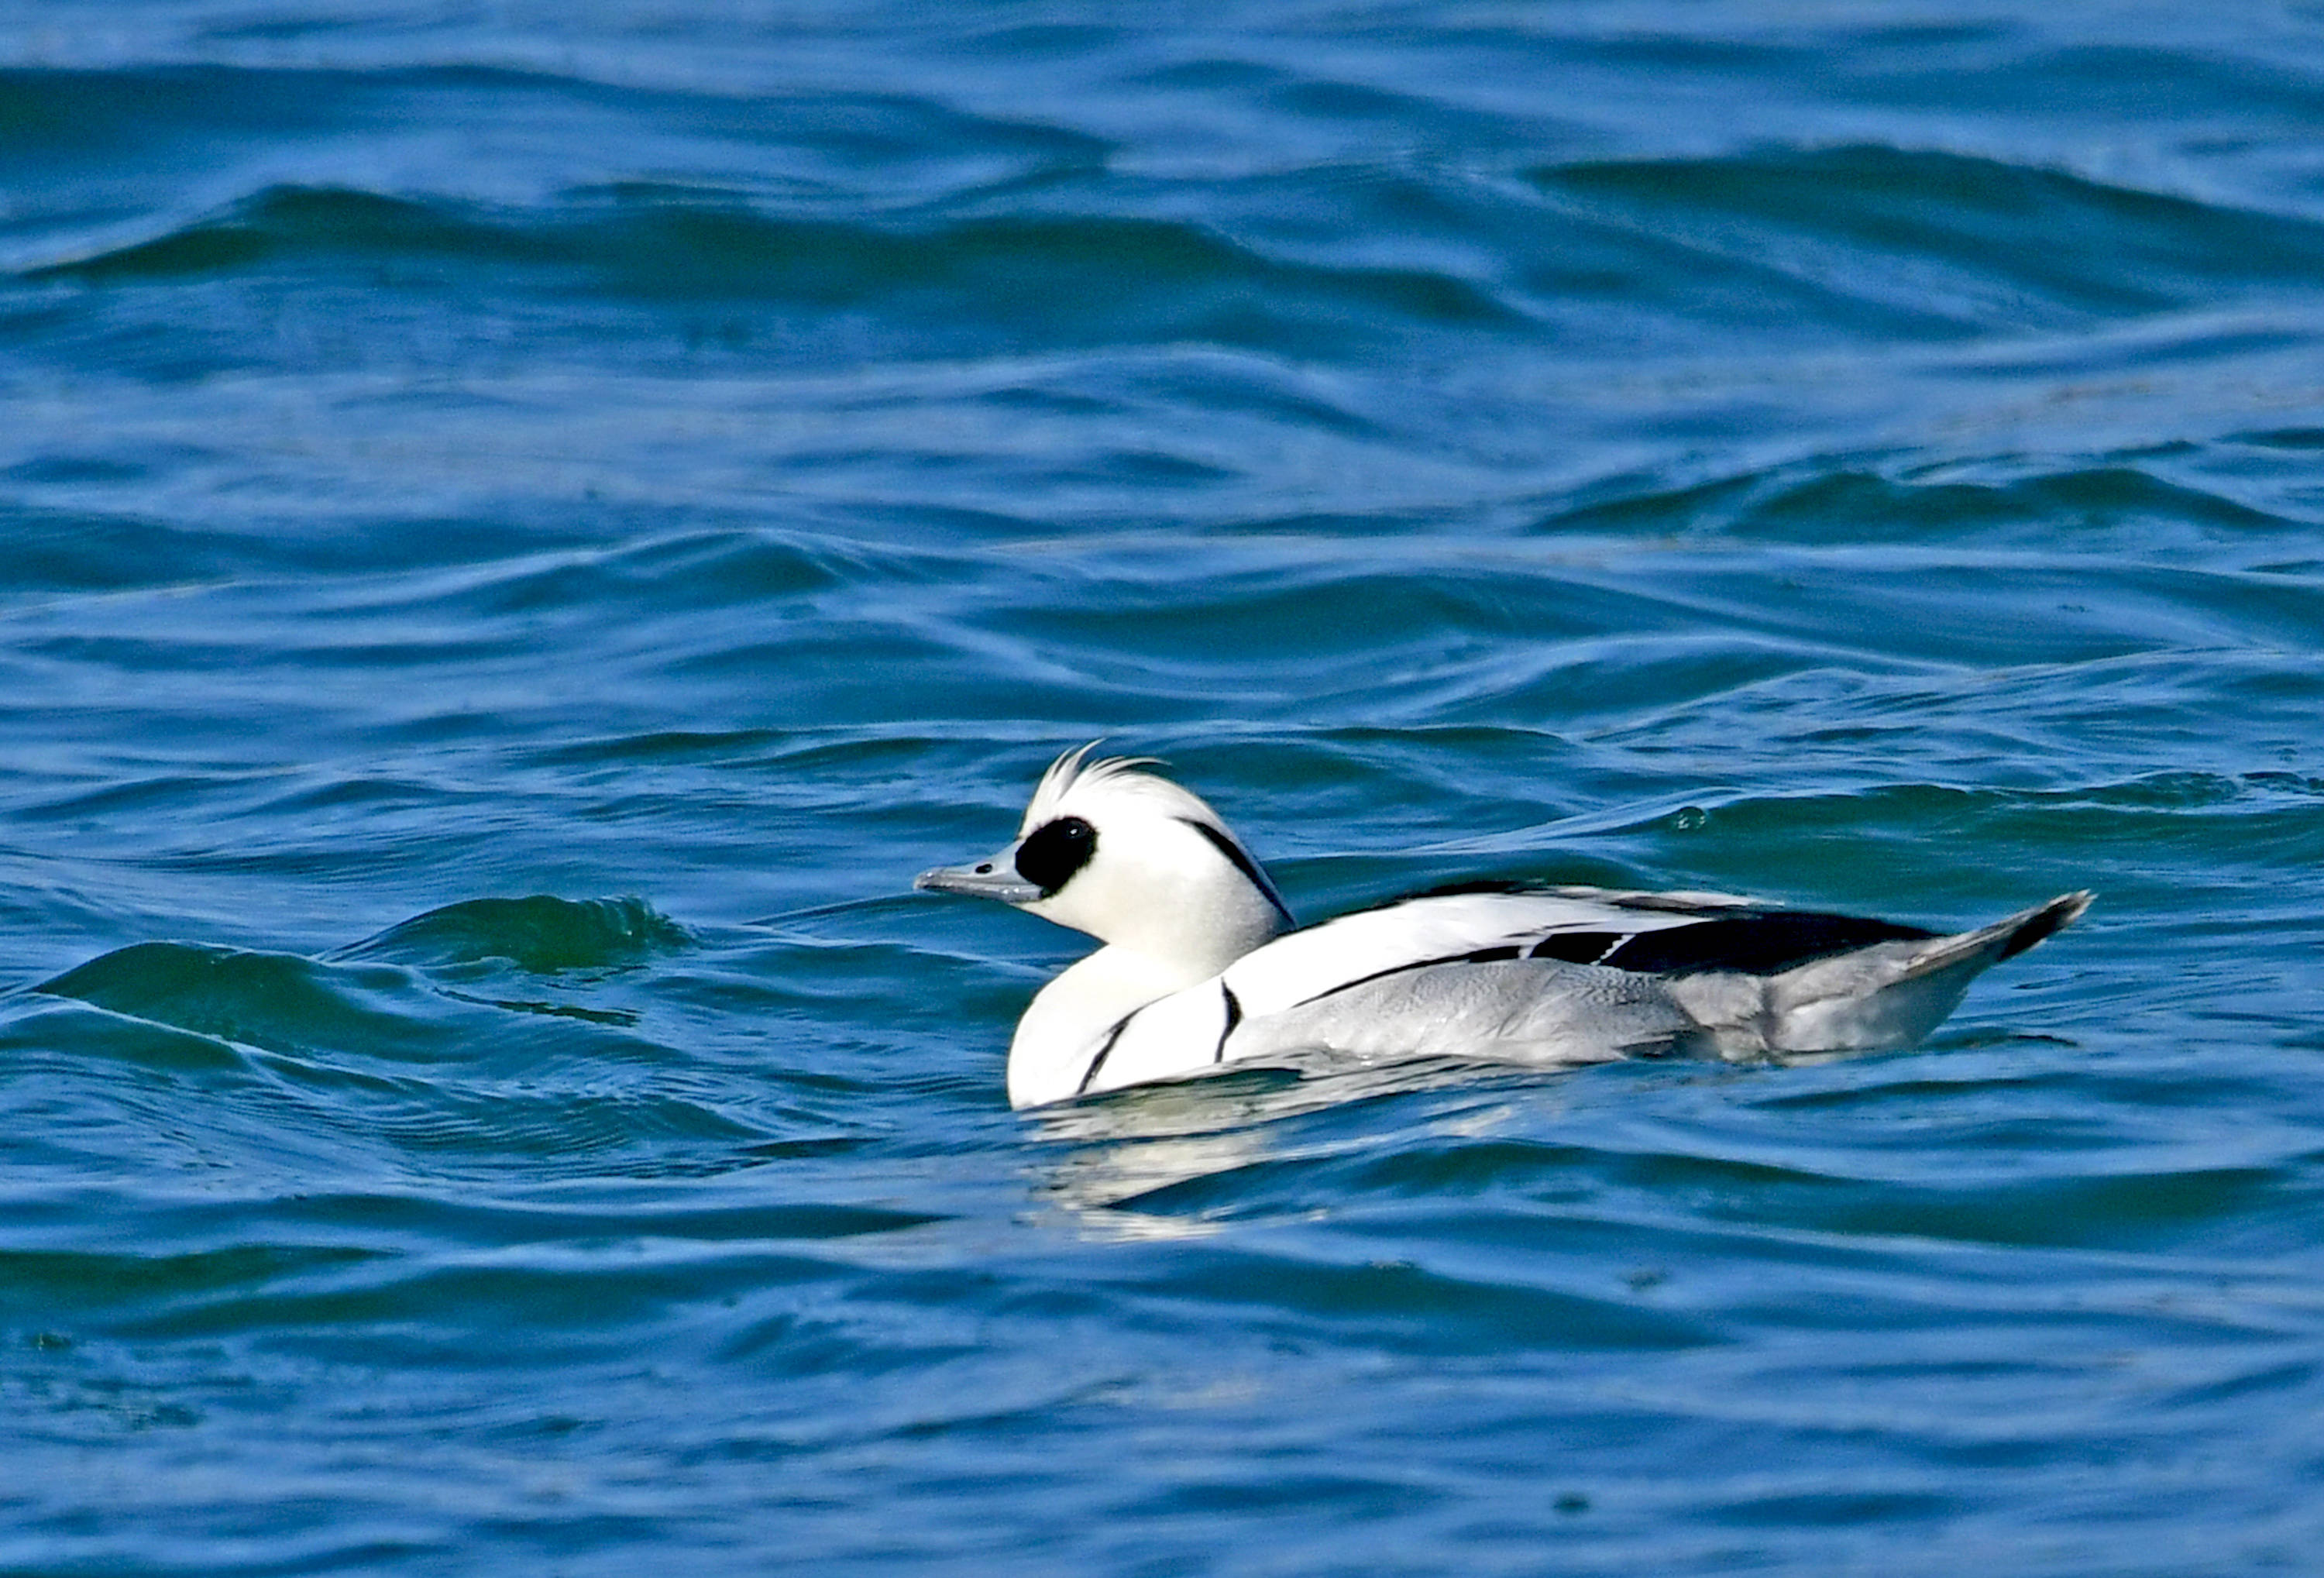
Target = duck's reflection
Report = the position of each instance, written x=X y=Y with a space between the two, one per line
x=1119 y=1165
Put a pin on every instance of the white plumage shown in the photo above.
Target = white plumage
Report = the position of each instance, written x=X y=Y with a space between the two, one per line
x=1202 y=967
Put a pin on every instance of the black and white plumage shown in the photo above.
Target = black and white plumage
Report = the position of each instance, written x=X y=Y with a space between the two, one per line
x=1203 y=966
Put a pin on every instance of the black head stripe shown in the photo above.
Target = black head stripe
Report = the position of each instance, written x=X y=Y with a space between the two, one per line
x=1241 y=860
x=1052 y=853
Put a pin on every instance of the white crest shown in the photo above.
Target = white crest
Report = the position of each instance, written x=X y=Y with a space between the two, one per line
x=1074 y=774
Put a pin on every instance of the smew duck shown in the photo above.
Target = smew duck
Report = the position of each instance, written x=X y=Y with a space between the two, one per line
x=1203 y=966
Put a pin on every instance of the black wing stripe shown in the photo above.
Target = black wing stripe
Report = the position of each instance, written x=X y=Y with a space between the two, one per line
x=1104 y=1052
x=1577 y=947
x=1481 y=956
x=1234 y=1018
x=1762 y=943
x=1765 y=944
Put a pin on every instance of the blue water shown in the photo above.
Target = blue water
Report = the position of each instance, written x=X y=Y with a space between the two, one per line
x=522 y=526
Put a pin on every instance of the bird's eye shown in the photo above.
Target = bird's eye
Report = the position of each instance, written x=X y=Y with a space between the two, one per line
x=1052 y=853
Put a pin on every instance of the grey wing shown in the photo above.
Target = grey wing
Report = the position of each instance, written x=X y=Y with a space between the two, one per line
x=1546 y=1013
x=1474 y=925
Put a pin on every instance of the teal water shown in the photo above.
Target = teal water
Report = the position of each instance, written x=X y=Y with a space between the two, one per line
x=521 y=527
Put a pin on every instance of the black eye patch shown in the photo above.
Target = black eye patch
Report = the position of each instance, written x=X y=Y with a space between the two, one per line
x=1053 y=851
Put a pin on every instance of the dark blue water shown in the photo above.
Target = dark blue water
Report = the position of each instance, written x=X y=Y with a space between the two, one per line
x=522 y=526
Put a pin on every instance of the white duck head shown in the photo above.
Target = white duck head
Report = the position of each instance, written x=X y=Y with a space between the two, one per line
x=1137 y=861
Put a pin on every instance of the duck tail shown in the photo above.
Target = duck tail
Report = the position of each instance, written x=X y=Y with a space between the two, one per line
x=1892 y=994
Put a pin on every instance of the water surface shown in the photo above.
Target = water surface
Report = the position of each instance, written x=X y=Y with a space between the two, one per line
x=521 y=527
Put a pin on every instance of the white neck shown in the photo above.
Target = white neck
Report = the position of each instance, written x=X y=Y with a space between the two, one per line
x=1173 y=899
x=1071 y=1016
